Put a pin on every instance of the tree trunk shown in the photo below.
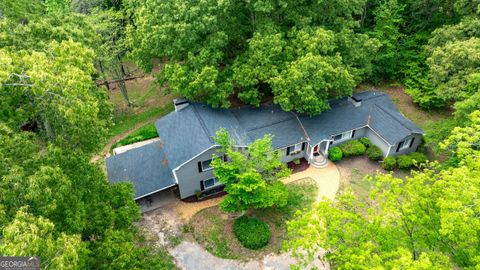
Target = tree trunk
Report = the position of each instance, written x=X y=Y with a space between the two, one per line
x=102 y=70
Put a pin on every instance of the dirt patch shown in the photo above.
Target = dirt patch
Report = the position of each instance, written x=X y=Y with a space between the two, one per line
x=144 y=93
x=161 y=226
x=362 y=165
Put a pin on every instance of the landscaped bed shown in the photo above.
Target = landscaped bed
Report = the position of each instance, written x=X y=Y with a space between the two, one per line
x=144 y=133
x=213 y=229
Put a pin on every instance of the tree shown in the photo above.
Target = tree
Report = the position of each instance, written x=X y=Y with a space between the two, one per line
x=454 y=66
x=388 y=19
x=450 y=71
x=54 y=90
x=242 y=48
x=426 y=221
x=251 y=176
x=28 y=235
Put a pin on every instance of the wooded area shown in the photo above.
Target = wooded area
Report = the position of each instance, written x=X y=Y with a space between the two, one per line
x=54 y=117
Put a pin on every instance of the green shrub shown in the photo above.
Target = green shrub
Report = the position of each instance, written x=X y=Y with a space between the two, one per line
x=404 y=162
x=365 y=141
x=353 y=148
x=389 y=163
x=335 y=153
x=374 y=153
x=251 y=232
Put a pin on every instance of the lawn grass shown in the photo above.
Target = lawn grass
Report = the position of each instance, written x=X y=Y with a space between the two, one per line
x=213 y=229
x=146 y=132
x=124 y=122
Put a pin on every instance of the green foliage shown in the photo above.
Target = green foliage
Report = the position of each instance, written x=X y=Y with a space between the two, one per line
x=463 y=141
x=146 y=132
x=251 y=176
x=406 y=162
x=374 y=153
x=251 y=232
x=365 y=141
x=27 y=235
x=389 y=163
x=425 y=221
x=388 y=19
x=335 y=153
x=61 y=99
x=244 y=48
x=353 y=148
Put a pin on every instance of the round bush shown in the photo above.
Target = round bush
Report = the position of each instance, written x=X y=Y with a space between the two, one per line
x=251 y=232
x=353 y=148
x=365 y=141
x=374 y=153
x=335 y=154
x=404 y=162
x=389 y=163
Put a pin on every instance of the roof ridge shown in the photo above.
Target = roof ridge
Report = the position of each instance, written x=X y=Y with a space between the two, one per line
x=202 y=124
x=394 y=117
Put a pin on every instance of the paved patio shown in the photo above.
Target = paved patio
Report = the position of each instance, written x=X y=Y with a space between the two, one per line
x=327 y=179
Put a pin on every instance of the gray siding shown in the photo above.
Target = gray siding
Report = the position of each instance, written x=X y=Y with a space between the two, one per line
x=377 y=140
x=416 y=143
x=189 y=177
x=289 y=158
x=359 y=133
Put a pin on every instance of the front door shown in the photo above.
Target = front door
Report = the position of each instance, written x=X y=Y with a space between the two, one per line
x=315 y=148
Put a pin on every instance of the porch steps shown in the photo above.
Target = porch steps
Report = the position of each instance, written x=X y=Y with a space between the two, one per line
x=319 y=161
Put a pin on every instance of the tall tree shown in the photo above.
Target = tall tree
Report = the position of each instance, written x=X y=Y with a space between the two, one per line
x=216 y=50
x=251 y=176
x=54 y=90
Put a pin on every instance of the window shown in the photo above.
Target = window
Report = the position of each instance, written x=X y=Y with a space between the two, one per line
x=405 y=144
x=343 y=136
x=210 y=182
x=295 y=149
x=206 y=165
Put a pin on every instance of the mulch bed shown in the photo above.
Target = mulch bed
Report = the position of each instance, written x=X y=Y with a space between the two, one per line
x=298 y=167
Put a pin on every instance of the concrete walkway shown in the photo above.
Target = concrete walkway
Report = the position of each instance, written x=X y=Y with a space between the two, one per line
x=191 y=256
x=327 y=179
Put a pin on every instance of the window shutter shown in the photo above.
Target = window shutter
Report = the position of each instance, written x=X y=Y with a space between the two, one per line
x=199 y=166
x=202 y=186
x=353 y=133
x=288 y=151
x=303 y=146
x=399 y=145
x=411 y=142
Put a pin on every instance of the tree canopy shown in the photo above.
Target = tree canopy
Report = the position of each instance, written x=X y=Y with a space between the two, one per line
x=250 y=175
x=253 y=49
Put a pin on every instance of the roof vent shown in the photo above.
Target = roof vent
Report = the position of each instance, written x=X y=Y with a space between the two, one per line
x=180 y=103
x=357 y=102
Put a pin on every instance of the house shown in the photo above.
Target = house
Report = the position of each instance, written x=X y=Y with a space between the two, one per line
x=184 y=151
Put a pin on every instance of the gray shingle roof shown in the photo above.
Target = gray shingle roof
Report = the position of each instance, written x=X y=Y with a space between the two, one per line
x=145 y=166
x=188 y=132
x=343 y=116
